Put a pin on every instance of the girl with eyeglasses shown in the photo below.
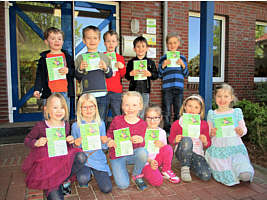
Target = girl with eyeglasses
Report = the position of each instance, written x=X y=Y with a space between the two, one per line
x=164 y=156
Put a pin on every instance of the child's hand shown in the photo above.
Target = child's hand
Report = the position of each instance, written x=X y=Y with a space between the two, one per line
x=111 y=143
x=63 y=70
x=133 y=72
x=180 y=62
x=159 y=143
x=40 y=142
x=154 y=164
x=104 y=139
x=70 y=139
x=78 y=141
x=83 y=65
x=37 y=94
x=203 y=139
x=239 y=131
x=137 y=139
x=147 y=73
x=213 y=132
x=103 y=66
x=165 y=63
x=178 y=138
x=119 y=65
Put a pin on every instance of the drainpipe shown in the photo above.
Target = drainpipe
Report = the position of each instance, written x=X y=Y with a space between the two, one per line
x=165 y=25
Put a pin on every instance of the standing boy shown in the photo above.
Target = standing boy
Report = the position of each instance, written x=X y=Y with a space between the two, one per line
x=172 y=81
x=94 y=81
x=114 y=85
x=45 y=85
x=151 y=73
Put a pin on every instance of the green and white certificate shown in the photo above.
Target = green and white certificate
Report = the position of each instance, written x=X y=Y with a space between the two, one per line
x=92 y=59
x=173 y=56
x=53 y=65
x=122 y=138
x=56 y=142
x=151 y=136
x=113 y=60
x=140 y=66
x=225 y=127
x=191 y=125
x=90 y=136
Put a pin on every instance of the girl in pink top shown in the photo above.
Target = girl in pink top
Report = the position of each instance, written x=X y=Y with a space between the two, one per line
x=162 y=159
x=189 y=150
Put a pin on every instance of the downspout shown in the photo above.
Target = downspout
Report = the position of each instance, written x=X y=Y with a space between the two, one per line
x=165 y=25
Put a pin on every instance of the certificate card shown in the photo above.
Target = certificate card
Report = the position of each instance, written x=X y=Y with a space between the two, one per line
x=90 y=136
x=225 y=127
x=53 y=65
x=113 y=60
x=92 y=60
x=140 y=66
x=151 y=136
x=122 y=139
x=151 y=26
x=191 y=125
x=56 y=142
x=173 y=56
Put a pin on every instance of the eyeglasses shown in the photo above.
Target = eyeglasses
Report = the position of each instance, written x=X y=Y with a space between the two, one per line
x=153 y=118
x=91 y=107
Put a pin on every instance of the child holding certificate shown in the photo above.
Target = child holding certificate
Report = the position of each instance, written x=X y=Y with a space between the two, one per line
x=52 y=159
x=160 y=153
x=92 y=68
x=227 y=156
x=140 y=71
x=89 y=133
x=55 y=70
x=190 y=134
x=126 y=142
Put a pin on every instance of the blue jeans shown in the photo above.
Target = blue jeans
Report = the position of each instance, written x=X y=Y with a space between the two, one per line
x=145 y=104
x=119 y=166
x=102 y=178
x=171 y=97
x=101 y=104
x=113 y=103
x=196 y=162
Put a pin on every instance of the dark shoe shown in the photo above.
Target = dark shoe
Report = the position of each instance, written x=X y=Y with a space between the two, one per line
x=66 y=188
x=139 y=182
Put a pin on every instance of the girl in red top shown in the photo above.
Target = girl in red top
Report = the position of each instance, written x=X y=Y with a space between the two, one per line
x=48 y=173
x=190 y=150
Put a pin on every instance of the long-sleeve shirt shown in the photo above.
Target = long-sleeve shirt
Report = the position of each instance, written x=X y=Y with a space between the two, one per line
x=173 y=77
x=142 y=86
x=119 y=122
x=176 y=129
x=114 y=82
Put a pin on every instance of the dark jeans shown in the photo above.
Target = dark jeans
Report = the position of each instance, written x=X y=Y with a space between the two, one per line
x=187 y=157
x=102 y=104
x=102 y=178
x=78 y=163
x=113 y=103
x=171 y=97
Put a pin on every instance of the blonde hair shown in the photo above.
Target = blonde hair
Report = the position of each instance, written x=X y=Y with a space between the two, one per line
x=155 y=108
x=170 y=35
x=132 y=94
x=63 y=103
x=197 y=98
x=225 y=86
x=82 y=99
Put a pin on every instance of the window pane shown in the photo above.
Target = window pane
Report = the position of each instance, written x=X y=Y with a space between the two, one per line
x=261 y=51
x=194 y=46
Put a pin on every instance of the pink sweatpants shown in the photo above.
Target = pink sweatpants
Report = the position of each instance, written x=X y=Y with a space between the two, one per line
x=164 y=159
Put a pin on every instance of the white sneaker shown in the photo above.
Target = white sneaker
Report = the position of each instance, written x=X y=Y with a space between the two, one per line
x=170 y=175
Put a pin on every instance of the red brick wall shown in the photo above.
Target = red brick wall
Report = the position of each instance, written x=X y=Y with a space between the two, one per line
x=239 y=40
x=3 y=76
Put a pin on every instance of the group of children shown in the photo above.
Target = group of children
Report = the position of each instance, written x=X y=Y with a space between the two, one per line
x=226 y=158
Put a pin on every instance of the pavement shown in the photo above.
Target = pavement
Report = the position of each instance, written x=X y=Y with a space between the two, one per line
x=12 y=186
